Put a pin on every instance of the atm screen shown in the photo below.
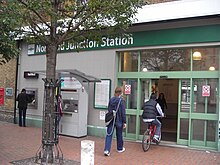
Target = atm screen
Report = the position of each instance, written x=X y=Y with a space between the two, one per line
x=70 y=106
x=32 y=93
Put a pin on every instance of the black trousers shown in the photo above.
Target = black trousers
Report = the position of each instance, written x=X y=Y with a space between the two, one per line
x=22 y=116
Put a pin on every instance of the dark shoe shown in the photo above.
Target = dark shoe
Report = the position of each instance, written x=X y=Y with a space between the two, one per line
x=120 y=151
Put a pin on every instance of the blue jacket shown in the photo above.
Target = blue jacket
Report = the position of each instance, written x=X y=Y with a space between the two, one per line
x=121 y=114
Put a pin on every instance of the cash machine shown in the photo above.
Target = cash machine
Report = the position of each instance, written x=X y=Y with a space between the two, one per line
x=74 y=92
x=75 y=111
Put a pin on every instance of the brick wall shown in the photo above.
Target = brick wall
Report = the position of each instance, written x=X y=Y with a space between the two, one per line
x=7 y=80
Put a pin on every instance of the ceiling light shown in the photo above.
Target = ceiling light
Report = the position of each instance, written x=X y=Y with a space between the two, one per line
x=197 y=55
x=144 y=70
x=211 y=68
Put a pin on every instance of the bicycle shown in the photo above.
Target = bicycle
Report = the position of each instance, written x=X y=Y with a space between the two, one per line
x=149 y=135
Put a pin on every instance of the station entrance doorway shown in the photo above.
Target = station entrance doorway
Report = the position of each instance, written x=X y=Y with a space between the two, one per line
x=169 y=87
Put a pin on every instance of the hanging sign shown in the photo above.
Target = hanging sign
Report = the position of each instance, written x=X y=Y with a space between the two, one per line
x=31 y=75
x=205 y=90
x=2 y=95
x=127 y=89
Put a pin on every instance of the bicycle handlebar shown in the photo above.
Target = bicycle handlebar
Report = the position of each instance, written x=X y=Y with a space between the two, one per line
x=160 y=116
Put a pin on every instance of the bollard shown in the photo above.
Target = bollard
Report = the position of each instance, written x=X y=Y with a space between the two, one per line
x=87 y=152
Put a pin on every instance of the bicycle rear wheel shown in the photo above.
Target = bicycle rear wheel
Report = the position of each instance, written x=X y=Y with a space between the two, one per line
x=146 y=141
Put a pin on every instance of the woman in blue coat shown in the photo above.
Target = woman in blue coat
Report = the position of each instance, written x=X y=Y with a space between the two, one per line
x=119 y=123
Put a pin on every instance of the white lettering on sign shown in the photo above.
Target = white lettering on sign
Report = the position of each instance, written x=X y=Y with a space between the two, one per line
x=118 y=41
x=61 y=47
x=31 y=74
x=40 y=49
x=69 y=46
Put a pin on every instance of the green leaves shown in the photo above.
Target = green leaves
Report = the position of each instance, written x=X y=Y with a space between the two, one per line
x=50 y=21
x=8 y=45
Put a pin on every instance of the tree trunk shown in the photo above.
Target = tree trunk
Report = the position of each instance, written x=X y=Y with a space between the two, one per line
x=49 y=116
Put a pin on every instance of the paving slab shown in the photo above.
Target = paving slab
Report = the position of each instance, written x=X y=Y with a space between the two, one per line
x=22 y=143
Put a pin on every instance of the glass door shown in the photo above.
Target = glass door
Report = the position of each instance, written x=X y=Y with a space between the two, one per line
x=169 y=88
x=131 y=106
x=198 y=113
x=184 y=111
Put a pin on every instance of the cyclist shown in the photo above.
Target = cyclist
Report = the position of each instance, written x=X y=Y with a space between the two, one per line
x=151 y=109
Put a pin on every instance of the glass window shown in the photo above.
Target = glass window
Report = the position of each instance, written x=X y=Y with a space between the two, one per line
x=211 y=130
x=129 y=61
x=201 y=100
x=212 y=104
x=131 y=99
x=145 y=92
x=184 y=128
x=185 y=95
x=205 y=59
x=131 y=124
x=165 y=60
x=198 y=129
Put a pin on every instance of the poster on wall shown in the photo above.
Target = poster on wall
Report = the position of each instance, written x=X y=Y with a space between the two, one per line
x=102 y=115
x=2 y=96
x=102 y=93
x=9 y=92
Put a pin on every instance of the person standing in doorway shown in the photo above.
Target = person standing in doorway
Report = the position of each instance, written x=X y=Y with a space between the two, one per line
x=116 y=103
x=23 y=100
x=162 y=101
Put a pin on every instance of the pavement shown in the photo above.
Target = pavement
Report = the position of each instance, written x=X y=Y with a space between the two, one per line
x=18 y=143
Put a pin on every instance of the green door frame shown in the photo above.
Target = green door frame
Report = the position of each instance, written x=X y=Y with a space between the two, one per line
x=196 y=116
x=170 y=75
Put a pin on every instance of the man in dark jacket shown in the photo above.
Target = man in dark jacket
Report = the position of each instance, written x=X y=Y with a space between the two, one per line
x=23 y=100
x=151 y=109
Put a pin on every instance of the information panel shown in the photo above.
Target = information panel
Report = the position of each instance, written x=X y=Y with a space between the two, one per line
x=102 y=93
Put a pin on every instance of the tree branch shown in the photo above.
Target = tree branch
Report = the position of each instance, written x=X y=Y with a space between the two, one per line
x=34 y=11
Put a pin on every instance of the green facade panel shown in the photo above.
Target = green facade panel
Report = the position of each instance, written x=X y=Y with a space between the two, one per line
x=187 y=35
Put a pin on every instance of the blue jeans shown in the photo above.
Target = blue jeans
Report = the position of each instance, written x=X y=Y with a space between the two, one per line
x=158 y=126
x=109 y=135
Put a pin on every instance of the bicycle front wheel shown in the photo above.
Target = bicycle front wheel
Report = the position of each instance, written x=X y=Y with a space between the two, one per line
x=146 y=141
